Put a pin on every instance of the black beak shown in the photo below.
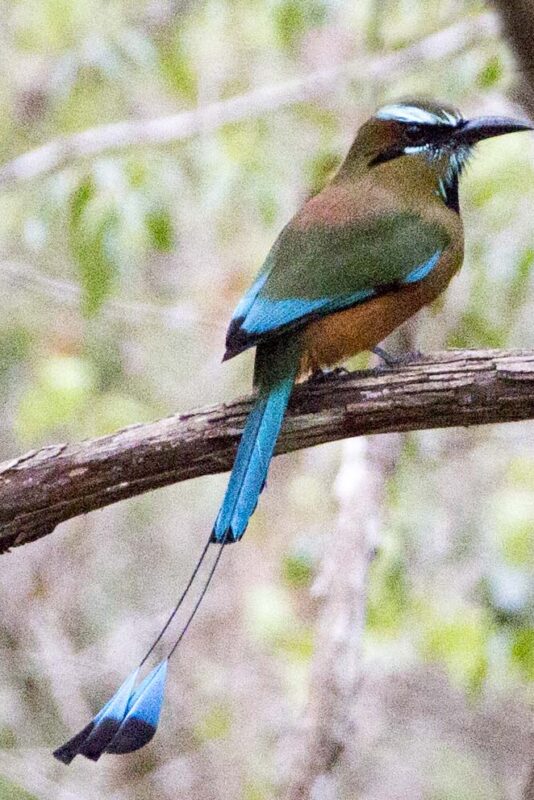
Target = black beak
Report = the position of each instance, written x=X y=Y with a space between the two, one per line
x=472 y=131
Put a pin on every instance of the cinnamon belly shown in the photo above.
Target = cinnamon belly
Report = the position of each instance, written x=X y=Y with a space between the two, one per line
x=332 y=339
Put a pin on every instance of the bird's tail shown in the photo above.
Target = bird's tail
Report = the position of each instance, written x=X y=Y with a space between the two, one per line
x=130 y=718
x=275 y=372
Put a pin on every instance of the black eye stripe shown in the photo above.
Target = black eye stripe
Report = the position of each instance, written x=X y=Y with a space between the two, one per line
x=417 y=132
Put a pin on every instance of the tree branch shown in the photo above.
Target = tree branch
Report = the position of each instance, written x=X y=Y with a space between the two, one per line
x=16 y=275
x=45 y=487
x=328 y=726
x=106 y=138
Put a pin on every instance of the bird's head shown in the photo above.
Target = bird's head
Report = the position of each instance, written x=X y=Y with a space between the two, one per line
x=427 y=133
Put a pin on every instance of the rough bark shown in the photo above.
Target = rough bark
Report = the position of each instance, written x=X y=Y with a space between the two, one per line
x=44 y=487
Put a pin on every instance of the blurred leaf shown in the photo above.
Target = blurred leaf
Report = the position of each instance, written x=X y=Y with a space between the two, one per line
x=176 y=67
x=160 y=230
x=50 y=25
x=10 y=791
x=322 y=169
x=518 y=546
x=257 y=791
x=294 y=17
x=518 y=286
x=14 y=347
x=461 y=644
x=522 y=651
x=63 y=386
x=80 y=198
x=297 y=570
x=521 y=472
x=296 y=643
x=475 y=330
x=388 y=595
x=514 y=522
x=91 y=232
x=215 y=724
x=8 y=739
x=137 y=172
x=268 y=207
x=243 y=143
x=491 y=74
x=104 y=352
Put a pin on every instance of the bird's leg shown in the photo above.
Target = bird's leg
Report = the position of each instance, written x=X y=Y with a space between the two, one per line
x=399 y=360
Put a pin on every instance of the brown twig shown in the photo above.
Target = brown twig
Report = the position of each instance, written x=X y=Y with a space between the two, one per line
x=43 y=488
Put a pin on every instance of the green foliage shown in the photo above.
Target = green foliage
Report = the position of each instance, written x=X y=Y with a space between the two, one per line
x=492 y=73
x=8 y=738
x=62 y=389
x=518 y=286
x=518 y=544
x=113 y=410
x=388 y=595
x=297 y=570
x=294 y=17
x=475 y=330
x=461 y=644
x=176 y=67
x=215 y=724
x=10 y=791
x=296 y=644
x=91 y=240
x=256 y=791
x=522 y=651
x=269 y=613
x=322 y=168
x=160 y=230
x=457 y=776
x=15 y=346
x=272 y=622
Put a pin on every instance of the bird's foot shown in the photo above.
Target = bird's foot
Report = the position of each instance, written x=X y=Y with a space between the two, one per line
x=322 y=375
x=401 y=360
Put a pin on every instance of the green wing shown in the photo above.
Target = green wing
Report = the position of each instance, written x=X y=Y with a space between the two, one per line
x=316 y=271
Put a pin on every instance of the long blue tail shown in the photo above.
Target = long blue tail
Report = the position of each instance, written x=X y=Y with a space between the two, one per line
x=129 y=720
x=275 y=372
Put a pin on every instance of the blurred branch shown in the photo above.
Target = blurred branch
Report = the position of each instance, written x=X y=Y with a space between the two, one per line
x=105 y=138
x=43 y=488
x=68 y=294
x=518 y=28
x=329 y=727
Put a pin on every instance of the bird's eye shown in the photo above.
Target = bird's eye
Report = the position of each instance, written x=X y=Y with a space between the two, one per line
x=413 y=132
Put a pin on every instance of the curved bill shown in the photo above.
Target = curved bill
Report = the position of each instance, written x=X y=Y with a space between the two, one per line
x=472 y=131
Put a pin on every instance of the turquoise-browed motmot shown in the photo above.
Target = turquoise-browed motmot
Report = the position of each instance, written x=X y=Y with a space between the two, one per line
x=381 y=241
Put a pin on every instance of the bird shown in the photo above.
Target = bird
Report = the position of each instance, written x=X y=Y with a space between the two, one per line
x=381 y=240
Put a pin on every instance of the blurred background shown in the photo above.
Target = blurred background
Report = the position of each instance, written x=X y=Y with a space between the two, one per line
x=123 y=251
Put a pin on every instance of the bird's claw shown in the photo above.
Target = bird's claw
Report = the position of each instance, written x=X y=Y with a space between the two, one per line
x=400 y=360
